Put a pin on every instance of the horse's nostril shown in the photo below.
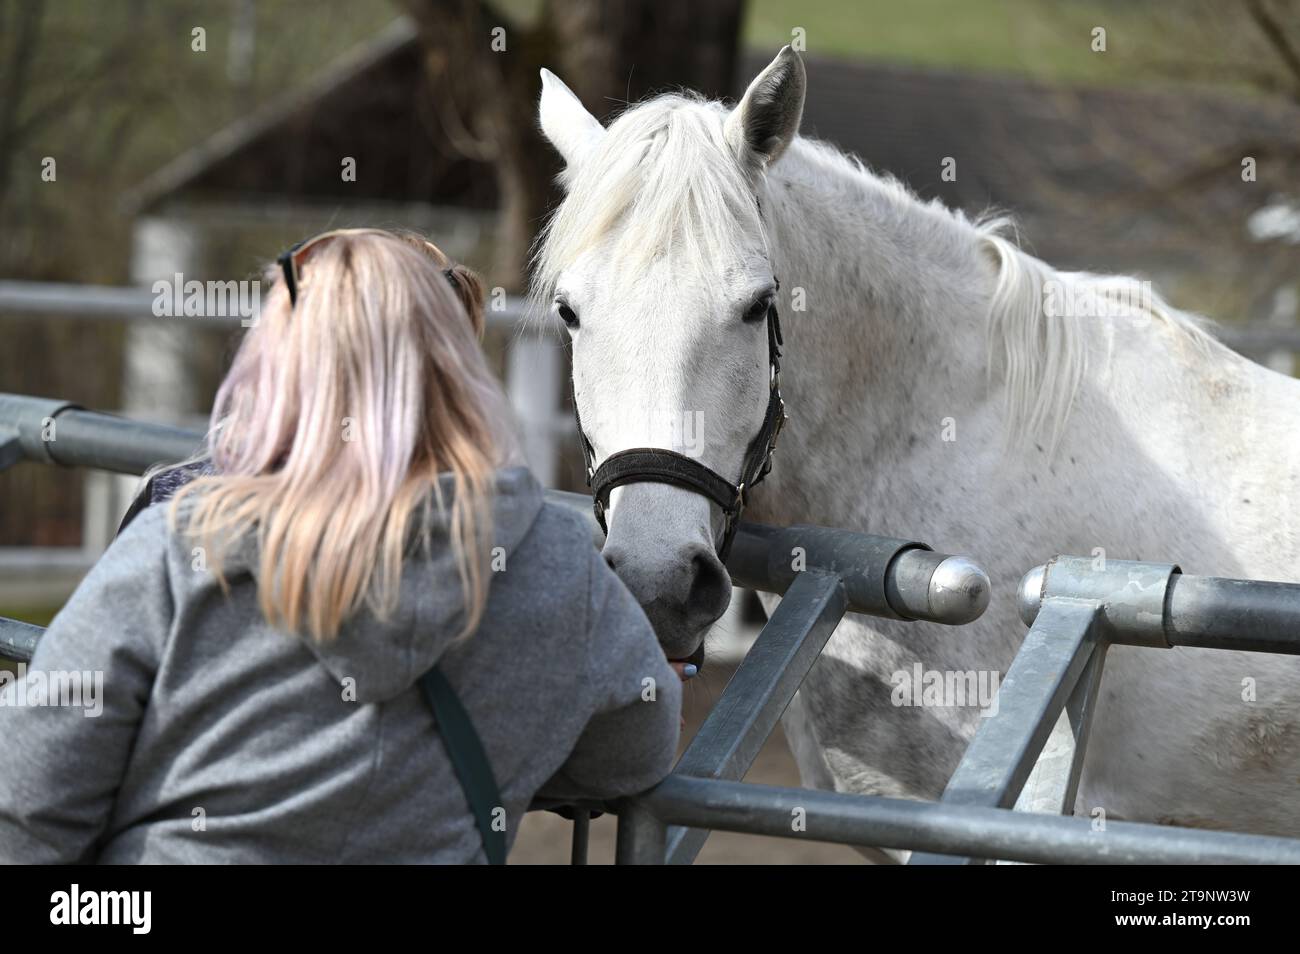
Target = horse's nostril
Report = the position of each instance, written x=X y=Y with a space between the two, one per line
x=680 y=584
x=710 y=591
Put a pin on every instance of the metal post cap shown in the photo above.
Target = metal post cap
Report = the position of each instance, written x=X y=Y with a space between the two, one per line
x=959 y=590
x=1029 y=596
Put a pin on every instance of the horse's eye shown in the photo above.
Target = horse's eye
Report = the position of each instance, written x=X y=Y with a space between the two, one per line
x=758 y=310
x=567 y=314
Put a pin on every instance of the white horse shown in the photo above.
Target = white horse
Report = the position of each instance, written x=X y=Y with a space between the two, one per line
x=945 y=386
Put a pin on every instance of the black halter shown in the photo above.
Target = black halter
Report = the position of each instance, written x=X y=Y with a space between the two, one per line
x=663 y=466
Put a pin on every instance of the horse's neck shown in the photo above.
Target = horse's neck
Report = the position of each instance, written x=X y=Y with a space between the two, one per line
x=899 y=385
x=891 y=341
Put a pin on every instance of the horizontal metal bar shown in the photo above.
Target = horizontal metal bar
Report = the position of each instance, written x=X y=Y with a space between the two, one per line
x=1252 y=615
x=1156 y=605
x=1254 y=338
x=741 y=721
x=136 y=303
x=18 y=639
x=922 y=584
x=942 y=827
x=1129 y=595
x=105 y=442
x=53 y=431
x=883 y=576
x=76 y=300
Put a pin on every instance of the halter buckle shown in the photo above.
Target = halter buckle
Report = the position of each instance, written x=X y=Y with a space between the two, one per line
x=780 y=424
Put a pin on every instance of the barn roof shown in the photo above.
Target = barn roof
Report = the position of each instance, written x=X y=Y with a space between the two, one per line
x=1088 y=158
x=372 y=104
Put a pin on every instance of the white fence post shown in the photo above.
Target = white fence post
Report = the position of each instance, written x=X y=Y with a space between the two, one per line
x=534 y=377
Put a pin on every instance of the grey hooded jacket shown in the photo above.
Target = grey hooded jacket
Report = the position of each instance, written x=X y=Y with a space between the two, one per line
x=222 y=739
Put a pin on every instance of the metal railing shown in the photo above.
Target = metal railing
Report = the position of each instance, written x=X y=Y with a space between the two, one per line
x=1075 y=613
x=533 y=375
x=135 y=303
x=1077 y=608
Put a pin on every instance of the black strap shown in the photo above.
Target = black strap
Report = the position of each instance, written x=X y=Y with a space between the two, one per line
x=588 y=452
x=289 y=271
x=143 y=499
x=758 y=456
x=663 y=466
x=468 y=758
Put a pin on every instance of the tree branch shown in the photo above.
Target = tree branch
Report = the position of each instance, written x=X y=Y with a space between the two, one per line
x=1277 y=38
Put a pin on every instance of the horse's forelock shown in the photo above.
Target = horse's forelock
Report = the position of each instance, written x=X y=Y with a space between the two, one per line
x=664 y=174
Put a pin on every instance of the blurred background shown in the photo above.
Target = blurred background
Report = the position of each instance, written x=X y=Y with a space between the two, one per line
x=140 y=139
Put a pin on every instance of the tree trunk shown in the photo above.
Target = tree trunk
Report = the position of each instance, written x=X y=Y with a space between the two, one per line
x=609 y=52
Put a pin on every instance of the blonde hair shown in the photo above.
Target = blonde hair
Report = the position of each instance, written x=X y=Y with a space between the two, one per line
x=336 y=419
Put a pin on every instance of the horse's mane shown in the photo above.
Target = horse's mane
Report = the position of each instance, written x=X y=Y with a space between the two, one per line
x=1041 y=354
x=1041 y=358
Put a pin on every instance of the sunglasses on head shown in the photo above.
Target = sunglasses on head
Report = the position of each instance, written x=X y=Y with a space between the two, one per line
x=291 y=260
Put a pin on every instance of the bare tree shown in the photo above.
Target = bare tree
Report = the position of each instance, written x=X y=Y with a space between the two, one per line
x=609 y=51
x=20 y=32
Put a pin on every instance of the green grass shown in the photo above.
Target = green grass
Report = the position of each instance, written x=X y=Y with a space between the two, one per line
x=1048 y=39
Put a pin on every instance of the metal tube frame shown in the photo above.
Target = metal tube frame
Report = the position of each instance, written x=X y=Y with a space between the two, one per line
x=1074 y=610
x=1076 y=607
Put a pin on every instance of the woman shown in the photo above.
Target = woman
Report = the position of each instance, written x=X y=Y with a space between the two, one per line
x=269 y=638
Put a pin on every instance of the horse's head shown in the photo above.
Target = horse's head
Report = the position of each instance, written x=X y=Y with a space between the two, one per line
x=658 y=262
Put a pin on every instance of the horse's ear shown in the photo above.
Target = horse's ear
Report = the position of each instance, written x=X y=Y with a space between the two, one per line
x=767 y=117
x=565 y=122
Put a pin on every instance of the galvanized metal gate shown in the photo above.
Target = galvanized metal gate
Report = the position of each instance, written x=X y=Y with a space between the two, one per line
x=1076 y=609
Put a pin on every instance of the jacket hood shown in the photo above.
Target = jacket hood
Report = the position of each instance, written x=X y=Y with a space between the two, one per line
x=384 y=658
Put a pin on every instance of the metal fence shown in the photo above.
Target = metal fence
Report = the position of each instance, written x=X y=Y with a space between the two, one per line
x=534 y=362
x=1075 y=609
